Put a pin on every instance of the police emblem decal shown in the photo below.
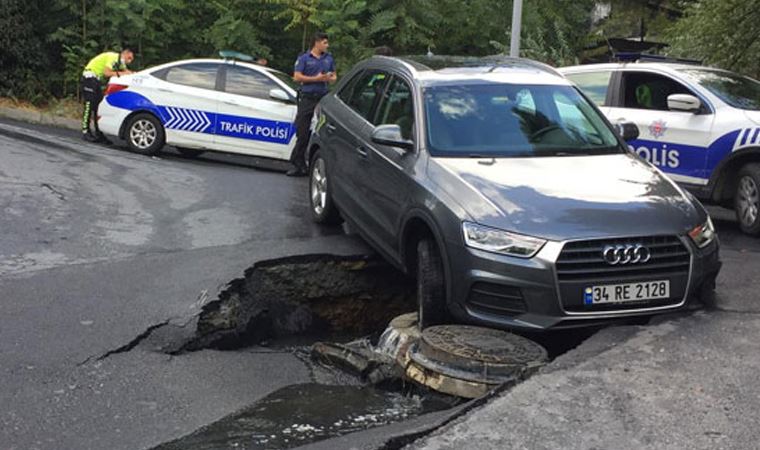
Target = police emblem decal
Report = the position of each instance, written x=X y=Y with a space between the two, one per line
x=658 y=128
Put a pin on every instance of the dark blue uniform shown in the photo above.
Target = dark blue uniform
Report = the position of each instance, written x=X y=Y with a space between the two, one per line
x=308 y=98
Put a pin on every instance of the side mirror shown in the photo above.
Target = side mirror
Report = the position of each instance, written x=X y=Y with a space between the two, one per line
x=627 y=130
x=391 y=135
x=279 y=94
x=684 y=102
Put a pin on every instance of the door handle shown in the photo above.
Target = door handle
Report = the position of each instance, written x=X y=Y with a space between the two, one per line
x=230 y=102
x=362 y=151
x=330 y=127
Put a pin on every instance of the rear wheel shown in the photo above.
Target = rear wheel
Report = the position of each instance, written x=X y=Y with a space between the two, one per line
x=323 y=209
x=747 y=199
x=189 y=152
x=431 y=285
x=145 y=134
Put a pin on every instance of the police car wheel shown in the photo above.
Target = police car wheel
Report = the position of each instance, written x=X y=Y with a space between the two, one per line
x=747 y=199
x=145 y=134
x=323 y=209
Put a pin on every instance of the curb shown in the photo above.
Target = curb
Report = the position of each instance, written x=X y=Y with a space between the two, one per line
x=39 y=118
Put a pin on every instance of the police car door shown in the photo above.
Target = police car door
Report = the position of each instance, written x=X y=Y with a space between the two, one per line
x=674 y=141
x=186 y=99
x=251 y=120
x=595 y=84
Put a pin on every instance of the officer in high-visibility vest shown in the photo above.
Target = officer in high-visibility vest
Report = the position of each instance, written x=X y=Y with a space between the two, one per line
x=95 y=75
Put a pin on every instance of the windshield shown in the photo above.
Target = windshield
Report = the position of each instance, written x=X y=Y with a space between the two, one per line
x=287 y=79
x=504 y=120
x=736 y=90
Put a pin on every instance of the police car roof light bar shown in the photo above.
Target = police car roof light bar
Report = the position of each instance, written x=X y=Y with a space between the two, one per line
x=235 y=56
x=646 y=57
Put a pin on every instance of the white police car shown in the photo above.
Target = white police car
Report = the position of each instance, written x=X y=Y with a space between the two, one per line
x=203 y=104
x=698 y=124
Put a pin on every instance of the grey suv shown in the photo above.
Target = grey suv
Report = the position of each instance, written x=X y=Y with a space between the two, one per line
x=507 y=193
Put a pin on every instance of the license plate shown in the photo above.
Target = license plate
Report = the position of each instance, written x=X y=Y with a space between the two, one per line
x=628 y=292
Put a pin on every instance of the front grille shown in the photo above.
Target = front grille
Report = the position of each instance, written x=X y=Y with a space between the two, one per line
x=496 y=299
x=581 y=265
x=583 y=261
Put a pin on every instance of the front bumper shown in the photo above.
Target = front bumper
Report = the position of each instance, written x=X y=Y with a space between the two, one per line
x=527 y=294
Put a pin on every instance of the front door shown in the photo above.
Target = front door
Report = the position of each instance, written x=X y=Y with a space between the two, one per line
x=674 y=141
x=250 y=121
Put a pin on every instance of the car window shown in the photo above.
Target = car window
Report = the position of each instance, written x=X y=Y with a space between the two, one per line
x=200 y=75
x=244 y=81
x=504 y=120
x=366 y=91
x=396 y=107
x=644 y=90
x=734 y=89
x=593 y=84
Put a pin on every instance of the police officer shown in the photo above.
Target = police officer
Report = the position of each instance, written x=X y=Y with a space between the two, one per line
x=314 y=69
x=95 y=75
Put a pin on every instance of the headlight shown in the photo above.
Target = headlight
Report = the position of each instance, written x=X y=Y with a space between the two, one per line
x=704 y=234
x=498 y=241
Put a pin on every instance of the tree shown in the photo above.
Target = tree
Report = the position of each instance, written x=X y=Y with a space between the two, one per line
x=725 y=33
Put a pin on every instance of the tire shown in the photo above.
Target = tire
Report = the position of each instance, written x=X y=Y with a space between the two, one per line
x=431 y=285
x=747 y=199
x=189 y=152
x=323 y=209
x=145 y=134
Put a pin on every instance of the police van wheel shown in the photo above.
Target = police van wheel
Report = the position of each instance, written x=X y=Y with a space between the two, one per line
x=747 y=199
x=323 y=209
x=145 y=134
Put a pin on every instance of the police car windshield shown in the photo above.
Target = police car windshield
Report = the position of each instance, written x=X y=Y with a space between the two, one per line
x=504 y=120
x=736 y=90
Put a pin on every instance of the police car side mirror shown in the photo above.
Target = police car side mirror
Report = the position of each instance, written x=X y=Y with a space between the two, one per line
x=627 y=130
x=391 y=135
x=279 y=94
x=684 y=102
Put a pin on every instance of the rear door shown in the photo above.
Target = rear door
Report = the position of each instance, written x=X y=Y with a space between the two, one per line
x=186 y=97
x=250 y=121
x=674 y=141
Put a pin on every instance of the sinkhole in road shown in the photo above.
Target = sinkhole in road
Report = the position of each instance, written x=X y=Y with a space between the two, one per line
x=330 y=311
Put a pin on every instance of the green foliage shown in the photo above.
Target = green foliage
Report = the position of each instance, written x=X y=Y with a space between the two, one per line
x=46 y=43
x=725 y=33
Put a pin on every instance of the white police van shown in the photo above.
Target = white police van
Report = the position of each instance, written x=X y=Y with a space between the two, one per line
x=699 y=125
x=203 y=104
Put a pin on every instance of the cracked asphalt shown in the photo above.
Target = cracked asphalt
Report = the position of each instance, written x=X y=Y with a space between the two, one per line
x=98 y=247
x=101 y=247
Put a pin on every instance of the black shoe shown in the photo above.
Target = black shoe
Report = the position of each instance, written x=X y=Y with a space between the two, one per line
x=89 y=137
x=297 y=172
x=101 y=138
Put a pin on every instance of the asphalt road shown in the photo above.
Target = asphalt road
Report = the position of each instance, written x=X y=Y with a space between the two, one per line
x=98 y=245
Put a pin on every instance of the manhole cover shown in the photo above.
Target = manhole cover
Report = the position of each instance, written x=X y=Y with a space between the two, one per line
x=464 y=344
x=469 y=361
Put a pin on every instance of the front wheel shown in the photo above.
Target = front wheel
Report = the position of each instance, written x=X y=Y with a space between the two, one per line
x=323 y=209
x=747 y=199
x=145 y=134
x=431 y=285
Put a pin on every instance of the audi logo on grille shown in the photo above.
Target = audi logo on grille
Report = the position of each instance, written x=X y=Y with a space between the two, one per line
x=616 y=255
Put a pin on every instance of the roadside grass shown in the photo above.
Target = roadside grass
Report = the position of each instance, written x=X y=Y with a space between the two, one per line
x=68 y=107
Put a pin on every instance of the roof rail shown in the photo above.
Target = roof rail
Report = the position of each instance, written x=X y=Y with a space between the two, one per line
x=492 y=62
x=235 y=56
x=645 y=57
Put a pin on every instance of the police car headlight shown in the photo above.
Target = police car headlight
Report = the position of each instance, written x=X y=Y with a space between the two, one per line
x=499 y=241
x=704 y=234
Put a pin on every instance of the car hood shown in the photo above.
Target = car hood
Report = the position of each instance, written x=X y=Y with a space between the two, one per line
x=567 y=197
x=753 y=116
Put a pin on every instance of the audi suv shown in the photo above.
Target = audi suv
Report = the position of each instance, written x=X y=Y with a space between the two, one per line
x=506 y=193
